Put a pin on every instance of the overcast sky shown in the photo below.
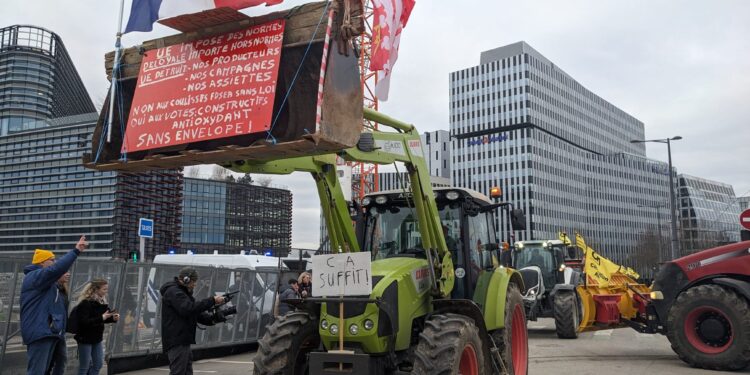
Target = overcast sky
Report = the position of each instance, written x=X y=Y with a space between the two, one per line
x=681 y=67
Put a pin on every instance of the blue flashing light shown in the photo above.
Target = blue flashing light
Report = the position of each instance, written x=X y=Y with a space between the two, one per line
x=268 y=253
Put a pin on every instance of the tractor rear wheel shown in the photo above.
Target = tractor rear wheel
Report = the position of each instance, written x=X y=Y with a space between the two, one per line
x=709 y=327
x=284 y=347
x=513 y=340
x=565 y=306
x=450 y=344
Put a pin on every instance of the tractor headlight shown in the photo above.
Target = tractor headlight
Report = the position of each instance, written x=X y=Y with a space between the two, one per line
x=324 y=324
x=369 y=324
x=334 y=329
x=354 y=329
x=381 y=199
x=656 y=295
x=451 y=195
x=366 y=201
x=562 y=267
x=519 y=245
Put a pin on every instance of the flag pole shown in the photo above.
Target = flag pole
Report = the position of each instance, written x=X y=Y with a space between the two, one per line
x=115 y=69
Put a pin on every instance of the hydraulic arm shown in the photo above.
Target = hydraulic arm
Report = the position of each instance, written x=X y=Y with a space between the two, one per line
x=377 y=147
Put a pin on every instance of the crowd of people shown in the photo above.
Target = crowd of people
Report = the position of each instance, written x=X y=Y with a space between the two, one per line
x=45 y=300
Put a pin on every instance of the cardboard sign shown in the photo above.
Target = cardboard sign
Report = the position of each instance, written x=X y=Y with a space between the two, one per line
x=345 y=274
x=217 y=87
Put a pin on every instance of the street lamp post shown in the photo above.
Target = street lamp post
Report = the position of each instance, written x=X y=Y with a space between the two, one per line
x=672 y=202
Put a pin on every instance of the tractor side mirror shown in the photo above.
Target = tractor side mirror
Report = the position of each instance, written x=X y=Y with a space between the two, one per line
x=518 y=219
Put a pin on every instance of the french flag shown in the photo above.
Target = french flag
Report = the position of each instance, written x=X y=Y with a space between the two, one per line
x=143 y=13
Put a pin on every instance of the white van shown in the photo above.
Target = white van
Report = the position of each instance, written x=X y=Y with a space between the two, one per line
x=252 y=262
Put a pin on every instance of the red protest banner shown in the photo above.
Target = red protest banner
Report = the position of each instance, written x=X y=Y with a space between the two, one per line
x=217 y=87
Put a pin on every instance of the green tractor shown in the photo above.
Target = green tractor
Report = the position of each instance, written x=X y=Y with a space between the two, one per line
x=440 y=302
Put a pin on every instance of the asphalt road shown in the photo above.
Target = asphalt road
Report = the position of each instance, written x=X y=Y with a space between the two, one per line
x=621 y=351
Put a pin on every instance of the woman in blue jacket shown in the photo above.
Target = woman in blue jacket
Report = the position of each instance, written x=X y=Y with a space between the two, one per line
x=43 y=309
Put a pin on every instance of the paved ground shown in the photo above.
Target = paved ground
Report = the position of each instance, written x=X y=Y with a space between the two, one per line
x=621 y=351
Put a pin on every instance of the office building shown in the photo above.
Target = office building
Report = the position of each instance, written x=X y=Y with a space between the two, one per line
x=230 y=217
x=38 y=81
x=709 y=214
x=437 y=152
x=48 y=199
x=744 y=203
x=558 y=151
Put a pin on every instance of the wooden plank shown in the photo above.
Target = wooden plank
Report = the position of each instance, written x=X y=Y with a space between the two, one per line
x=201 y=20
x=196 y=157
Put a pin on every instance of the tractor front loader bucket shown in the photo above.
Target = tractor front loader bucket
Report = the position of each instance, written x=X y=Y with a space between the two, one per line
x=610 y=294
x=316 y=104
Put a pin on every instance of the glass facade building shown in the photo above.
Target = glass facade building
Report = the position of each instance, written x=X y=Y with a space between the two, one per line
x=38 y=81
x=48 y=199
x=437 y=152
x=230 y=217
x=744 y=203
x=557 y=150
x=709 y=214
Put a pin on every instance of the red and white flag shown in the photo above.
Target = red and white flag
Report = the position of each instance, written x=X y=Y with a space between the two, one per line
x=390 y=19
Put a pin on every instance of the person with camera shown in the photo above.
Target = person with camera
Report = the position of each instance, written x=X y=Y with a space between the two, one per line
x=89 y=318
x=180 y=315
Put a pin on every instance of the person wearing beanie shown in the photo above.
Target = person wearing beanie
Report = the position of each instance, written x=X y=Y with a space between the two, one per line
x=44 y=311
x=180 y=315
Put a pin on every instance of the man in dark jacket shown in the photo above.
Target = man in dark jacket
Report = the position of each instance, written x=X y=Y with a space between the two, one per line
x=43 y=310
x=292 y=292
x=180 y=315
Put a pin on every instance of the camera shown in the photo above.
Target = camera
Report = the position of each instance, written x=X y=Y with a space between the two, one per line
x=219 y=314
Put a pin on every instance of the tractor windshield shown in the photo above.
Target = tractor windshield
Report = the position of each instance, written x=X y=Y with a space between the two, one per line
x=540 y=257
x=394 y=231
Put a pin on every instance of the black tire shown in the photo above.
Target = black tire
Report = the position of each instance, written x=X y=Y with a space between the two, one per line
x=442 y=343
x=284 y=347
x=504 y=337
x=565 y=306
x=709 y=327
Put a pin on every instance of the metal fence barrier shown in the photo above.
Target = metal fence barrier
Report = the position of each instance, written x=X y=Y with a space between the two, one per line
x=134 y=292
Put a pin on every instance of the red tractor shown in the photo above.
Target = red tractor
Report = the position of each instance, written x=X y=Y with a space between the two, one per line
x=701 y=303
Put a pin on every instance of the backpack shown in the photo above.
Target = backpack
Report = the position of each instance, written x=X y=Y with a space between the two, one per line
x=72 y=326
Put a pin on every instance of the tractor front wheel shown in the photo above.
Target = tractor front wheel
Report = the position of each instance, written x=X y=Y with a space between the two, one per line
x=449 y=344
x=709 y=327
x=566 y=315
x=284 y=347
x=513 y=340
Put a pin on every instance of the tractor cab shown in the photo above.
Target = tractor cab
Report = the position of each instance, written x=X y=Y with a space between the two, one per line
x=541 y=264
x=391 y=230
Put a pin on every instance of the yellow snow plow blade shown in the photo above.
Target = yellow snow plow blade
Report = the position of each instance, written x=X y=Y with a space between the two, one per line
x=609 y=293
